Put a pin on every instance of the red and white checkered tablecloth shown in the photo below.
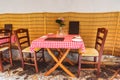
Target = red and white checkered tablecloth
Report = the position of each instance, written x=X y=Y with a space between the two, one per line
x=66 y=43
x=13 y=39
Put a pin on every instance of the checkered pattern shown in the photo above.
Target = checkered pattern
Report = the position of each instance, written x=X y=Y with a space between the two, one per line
x=13 y=39
x=67 y=43
x=3 y=40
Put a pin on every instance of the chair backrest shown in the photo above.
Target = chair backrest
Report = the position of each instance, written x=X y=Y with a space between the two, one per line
x=8 y=27
x=100 y=39
x=22 y=38
x=74 y=27
x=5 y=39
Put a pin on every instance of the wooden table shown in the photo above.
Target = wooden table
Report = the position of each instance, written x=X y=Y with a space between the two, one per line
x=67 y=44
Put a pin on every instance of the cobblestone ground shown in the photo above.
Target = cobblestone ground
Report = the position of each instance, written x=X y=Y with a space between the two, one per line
x=109 y=70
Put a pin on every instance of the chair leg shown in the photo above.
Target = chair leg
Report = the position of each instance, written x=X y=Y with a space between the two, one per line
x=95 y=59
x=79 y=64
x=10 y=55
x=22 y=60
x=35 y=62
x=30 y=58
x=1 y=66
x=98 y=69
x=43 y=55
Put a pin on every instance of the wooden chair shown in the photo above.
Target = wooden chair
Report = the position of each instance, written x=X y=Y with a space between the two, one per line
x=5 y=48
x=74 y=27
x=96 y=52
x=23 y=41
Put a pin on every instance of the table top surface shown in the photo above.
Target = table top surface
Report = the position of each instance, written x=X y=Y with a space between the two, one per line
x=68 y=42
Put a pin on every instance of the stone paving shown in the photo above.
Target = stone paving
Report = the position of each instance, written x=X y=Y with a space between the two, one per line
x=108 y=69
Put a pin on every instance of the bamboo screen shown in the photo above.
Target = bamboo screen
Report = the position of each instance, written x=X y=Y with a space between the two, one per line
x=43 y=23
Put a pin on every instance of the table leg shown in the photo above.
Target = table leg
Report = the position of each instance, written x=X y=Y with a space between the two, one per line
x=66 y=59
x=59 y=63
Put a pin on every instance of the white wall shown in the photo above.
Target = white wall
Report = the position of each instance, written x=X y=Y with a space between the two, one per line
x=20 y=6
